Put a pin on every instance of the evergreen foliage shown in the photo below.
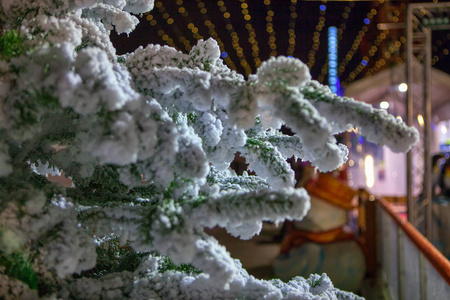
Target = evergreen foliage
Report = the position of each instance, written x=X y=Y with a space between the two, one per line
x=17 y=266
x=113 y=257
x=11 y=44
x=146 y=140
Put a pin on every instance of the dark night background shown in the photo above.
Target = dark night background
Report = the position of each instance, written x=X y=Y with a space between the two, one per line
x=181 y=23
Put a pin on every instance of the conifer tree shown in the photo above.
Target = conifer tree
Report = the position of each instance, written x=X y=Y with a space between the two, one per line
x=147 y=139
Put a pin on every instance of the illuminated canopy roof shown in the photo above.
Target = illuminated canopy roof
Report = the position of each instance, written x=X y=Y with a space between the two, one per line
x=384 y=86
x=249 y=32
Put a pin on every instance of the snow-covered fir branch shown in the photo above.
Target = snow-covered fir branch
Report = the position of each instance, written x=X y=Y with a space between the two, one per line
x=345 y=113
x=147 y=139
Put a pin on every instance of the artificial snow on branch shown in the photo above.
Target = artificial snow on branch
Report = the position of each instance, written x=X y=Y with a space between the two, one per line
x=147 y=139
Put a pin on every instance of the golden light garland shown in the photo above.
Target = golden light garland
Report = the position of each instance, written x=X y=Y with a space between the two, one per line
x=234 y=36
x=291 y=31
x=323 y=72
x=212 y=32
x=378 y=65
x=372 y=52
x=251 y=32
x=161 y=33
x=170 y=21
x=244 y=5
x=444 y=52
x=356 y=43
x=316 y=39
x=382 y=61
x=436 y=58
x=191 y=26
x=397 y=44
x=182 y=39
x=269 y=28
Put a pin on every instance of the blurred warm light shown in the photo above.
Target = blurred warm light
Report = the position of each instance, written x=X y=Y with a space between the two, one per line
x=400 y=118
x=420 y=120
x=369 y=171
x=443 y=129
x=384 y=104
x=402 y=87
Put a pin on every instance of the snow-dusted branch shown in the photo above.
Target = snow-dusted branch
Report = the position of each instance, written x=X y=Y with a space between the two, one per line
x=375 y=124
x=242 y=213
x=147 y=139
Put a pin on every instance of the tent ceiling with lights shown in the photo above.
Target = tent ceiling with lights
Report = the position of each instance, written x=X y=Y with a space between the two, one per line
x=383 y=86
x=370 y=33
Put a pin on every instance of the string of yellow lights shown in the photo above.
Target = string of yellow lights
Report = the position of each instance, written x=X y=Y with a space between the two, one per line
x=390 y=52
x=349 y=56
x=345 y=16
x=212 y=32
x=170 y=21
x=191 y=26
x=161 y=33
x=323 y=72
x=316 y=38
x=251 y=32
x=372 y=52
x=291 y=32
x=374 y=49
x=234 y=36
x=185 y=14
x=396 y=46
x=340 y=31
x=444 y=52
x=355 y=72
x=356 y=43
x=269 y=28
x=378 y=64
x=436 y=58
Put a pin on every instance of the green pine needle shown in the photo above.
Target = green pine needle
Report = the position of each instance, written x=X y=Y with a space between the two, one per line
x=112 y=257
x=17 y=266
x=167 y=265
x=11 y=45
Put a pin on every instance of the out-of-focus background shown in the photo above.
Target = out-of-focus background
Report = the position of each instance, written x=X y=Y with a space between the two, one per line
x=380 y=225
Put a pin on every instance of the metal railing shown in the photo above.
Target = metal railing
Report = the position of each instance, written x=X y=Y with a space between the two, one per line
x=406 y=264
